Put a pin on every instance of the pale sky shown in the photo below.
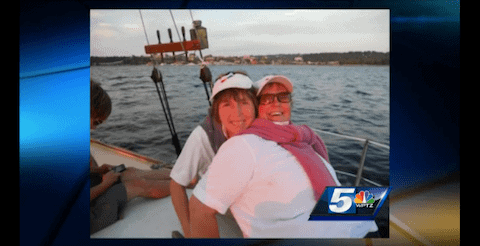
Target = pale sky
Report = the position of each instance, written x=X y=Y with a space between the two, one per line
x=244 y=32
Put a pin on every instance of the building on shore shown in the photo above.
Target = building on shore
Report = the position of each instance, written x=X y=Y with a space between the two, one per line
x=298 y=60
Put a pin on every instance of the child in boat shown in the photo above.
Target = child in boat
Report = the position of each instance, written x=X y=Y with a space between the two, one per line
x=233 y=109
x=110 y=191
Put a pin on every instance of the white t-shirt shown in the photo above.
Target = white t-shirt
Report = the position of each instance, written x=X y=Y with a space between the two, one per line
x=196 y=156
x=268 y=192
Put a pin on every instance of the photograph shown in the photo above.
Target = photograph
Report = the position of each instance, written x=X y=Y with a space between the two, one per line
x=243 y=117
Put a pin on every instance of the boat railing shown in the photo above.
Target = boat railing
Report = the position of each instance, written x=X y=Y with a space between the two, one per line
x=361 y=165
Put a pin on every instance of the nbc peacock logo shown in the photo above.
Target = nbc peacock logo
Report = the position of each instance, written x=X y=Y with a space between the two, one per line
x=364 y=199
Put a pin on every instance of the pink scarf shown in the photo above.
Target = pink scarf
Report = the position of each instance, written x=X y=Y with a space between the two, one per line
x=301 y=142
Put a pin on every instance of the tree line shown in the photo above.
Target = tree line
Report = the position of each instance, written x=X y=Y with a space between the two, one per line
x=348 y=58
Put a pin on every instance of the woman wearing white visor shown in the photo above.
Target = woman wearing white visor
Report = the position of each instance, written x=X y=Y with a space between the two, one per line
x=233 y=110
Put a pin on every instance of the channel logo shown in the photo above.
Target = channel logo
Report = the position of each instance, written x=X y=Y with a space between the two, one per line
x=364 y=199
x=350 y=203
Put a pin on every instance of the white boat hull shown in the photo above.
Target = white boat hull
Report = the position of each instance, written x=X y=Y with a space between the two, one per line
x=143 y=217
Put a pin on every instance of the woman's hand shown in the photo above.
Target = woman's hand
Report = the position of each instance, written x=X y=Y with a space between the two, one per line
x=110 y=177
x=105 y=168
x=107 y=181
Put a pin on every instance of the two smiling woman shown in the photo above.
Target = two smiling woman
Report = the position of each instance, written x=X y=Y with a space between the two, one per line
x=270 y=173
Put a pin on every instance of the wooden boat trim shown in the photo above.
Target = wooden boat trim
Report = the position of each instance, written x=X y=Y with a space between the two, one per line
x=129 y=154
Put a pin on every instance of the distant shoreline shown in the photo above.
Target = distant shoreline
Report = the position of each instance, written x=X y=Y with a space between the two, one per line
x=328 y=59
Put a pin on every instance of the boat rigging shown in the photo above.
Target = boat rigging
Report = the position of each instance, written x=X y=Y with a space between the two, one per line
x=199 y=41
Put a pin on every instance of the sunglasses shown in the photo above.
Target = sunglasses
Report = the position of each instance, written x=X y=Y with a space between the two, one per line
x=283 y=97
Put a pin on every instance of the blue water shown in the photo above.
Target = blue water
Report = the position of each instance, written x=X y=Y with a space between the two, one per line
x=350 y=100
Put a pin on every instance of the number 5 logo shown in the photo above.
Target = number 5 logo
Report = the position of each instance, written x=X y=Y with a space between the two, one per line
x=341 y=200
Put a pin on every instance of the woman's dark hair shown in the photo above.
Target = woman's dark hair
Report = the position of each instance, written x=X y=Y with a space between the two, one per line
x=100 y=103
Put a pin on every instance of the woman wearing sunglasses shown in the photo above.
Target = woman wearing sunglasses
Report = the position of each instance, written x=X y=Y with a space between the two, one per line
x=233 y=110
x=270 y=176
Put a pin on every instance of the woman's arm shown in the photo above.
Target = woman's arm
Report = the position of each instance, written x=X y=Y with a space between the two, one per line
x=180 y=203
x=195 y=155
x=107 y=181
x=203 y=222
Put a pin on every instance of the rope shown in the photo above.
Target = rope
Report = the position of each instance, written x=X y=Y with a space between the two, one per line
x=144 y=29
x=146 y=37
x=178 y=34
x=196 y=33
x=165 y=105
x=202 y=64
x=154 y=69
